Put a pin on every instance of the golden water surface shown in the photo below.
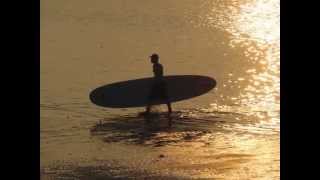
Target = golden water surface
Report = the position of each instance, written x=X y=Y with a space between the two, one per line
x=232 y=132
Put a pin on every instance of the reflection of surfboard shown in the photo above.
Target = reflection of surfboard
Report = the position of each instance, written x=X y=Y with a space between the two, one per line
x=134 y=93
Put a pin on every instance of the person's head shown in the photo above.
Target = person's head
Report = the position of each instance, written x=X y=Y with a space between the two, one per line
x=154 y=58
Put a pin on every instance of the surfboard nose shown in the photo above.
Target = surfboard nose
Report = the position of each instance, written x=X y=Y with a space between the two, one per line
x=203 y=83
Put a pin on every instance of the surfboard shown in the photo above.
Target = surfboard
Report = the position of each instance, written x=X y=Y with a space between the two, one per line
x=134 y=93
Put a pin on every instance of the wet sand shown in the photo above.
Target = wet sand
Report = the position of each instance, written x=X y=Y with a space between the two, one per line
x=232 y=132
x=206 y=145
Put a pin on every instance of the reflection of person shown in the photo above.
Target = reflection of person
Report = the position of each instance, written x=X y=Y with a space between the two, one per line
x=159 y=87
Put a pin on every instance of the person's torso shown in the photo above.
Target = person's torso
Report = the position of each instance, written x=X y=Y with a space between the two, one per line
x=158 y=70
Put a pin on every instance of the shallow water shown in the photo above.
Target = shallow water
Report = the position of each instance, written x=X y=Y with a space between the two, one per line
x=232 y=132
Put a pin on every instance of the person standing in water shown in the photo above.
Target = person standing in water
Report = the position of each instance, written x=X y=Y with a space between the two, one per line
x=159 y=87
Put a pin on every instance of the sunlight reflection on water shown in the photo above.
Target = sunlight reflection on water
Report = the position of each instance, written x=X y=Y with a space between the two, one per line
x=254 y=25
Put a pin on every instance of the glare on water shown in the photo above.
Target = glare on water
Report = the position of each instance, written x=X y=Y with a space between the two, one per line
x=255 y=26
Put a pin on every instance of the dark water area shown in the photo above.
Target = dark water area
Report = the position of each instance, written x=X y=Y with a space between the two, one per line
x=231 y=132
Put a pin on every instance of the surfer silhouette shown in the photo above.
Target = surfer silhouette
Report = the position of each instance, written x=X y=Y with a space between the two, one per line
x=159 y=87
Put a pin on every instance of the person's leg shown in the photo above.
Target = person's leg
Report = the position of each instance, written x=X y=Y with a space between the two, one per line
x=148 y=108
x=147 y=113
x=164 y=95
x=169 y=113
x=169 y=107
x=149 y=105
x=150 y=98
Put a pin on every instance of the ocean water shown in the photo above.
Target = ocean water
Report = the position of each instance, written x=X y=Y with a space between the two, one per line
x=232 y=132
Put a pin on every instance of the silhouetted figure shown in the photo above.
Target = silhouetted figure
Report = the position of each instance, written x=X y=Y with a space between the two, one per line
x=159 y=86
